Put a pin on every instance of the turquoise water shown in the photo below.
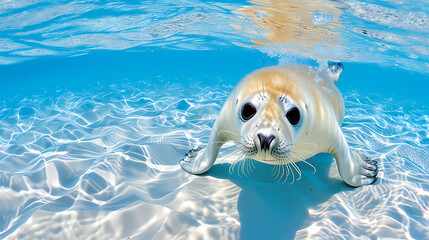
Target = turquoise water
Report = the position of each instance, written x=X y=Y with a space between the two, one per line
x=100 y=100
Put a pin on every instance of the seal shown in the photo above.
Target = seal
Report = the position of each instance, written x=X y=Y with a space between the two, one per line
x=282 y=115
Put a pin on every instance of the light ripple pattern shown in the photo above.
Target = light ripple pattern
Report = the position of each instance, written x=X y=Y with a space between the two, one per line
x=104 y=163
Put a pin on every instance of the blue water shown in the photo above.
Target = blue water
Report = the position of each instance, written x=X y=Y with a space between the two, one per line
x=100 y=100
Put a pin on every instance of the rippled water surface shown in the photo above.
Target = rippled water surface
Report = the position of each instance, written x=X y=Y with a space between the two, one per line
x=389 y=33
x=89 y=145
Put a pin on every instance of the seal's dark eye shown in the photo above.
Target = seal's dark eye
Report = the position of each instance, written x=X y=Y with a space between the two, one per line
x=294 y=116
x=248 y=111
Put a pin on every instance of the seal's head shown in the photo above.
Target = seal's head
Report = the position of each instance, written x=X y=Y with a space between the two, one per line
x=270 y=115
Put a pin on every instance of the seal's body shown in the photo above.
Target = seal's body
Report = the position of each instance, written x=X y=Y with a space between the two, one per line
x=283 y=115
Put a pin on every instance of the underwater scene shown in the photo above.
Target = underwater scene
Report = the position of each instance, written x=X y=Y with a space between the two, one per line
x=100 y=101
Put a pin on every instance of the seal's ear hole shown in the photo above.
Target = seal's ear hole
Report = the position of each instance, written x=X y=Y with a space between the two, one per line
x=294 y=116
x=248 y=111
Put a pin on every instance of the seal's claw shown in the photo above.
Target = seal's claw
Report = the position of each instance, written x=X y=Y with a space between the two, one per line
x=365 y=180
x=369 y=171
x=192 y=153
x=369 y=180
x=370 y=161
x=371 y=165
x=194 y=163
x=364 y=173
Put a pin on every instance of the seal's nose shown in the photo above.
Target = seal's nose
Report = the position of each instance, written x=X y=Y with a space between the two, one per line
x=265 y=141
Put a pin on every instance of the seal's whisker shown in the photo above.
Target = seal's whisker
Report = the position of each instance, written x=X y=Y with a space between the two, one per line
x=293 y=175
x=285 y=167
x=251 y=166
x=288 y=169
x=239 y=168
x=242 y=167
x=281 y=173
x=282 y=164
x=297 y=170
x=290 y=88
x=247 y=166
x=273 y=171
x=231 y=168
x=248 y=151
x=263 y=88
x=282 y=96
x=281 y=170
x=240 y=164
x=303 y=160
x=259 y=91
x=277 y=172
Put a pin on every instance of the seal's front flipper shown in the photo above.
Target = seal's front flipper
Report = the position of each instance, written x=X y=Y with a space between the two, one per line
x=355 y=168
x=193 y=161
x=199 y=161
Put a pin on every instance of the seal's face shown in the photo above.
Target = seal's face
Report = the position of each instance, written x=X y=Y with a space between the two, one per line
x=269 y=119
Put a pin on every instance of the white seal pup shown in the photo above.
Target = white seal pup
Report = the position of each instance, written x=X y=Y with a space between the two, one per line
x=282 y=115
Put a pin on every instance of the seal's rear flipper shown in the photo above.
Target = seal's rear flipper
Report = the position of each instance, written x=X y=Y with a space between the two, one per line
x=335 y=69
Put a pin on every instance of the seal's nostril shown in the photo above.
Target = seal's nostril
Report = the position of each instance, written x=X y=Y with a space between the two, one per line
x=265 y=141
x=261 y=140
x=270 y=139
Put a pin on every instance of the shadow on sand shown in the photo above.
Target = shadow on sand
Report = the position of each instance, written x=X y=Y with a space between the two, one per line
x=273 y=209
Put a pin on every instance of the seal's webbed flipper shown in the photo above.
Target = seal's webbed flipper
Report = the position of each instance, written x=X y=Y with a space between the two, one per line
x=199 y=161
x=192 y=161
x=355 y=168
x=335 y=69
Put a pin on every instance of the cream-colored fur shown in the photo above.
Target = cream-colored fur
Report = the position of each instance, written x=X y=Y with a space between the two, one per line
x=273 y=91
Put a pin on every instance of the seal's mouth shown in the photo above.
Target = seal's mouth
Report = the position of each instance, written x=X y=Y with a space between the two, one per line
x=266 y=149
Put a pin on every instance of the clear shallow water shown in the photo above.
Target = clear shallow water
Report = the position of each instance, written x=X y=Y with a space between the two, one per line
x=104 y=163
x=89 y=145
